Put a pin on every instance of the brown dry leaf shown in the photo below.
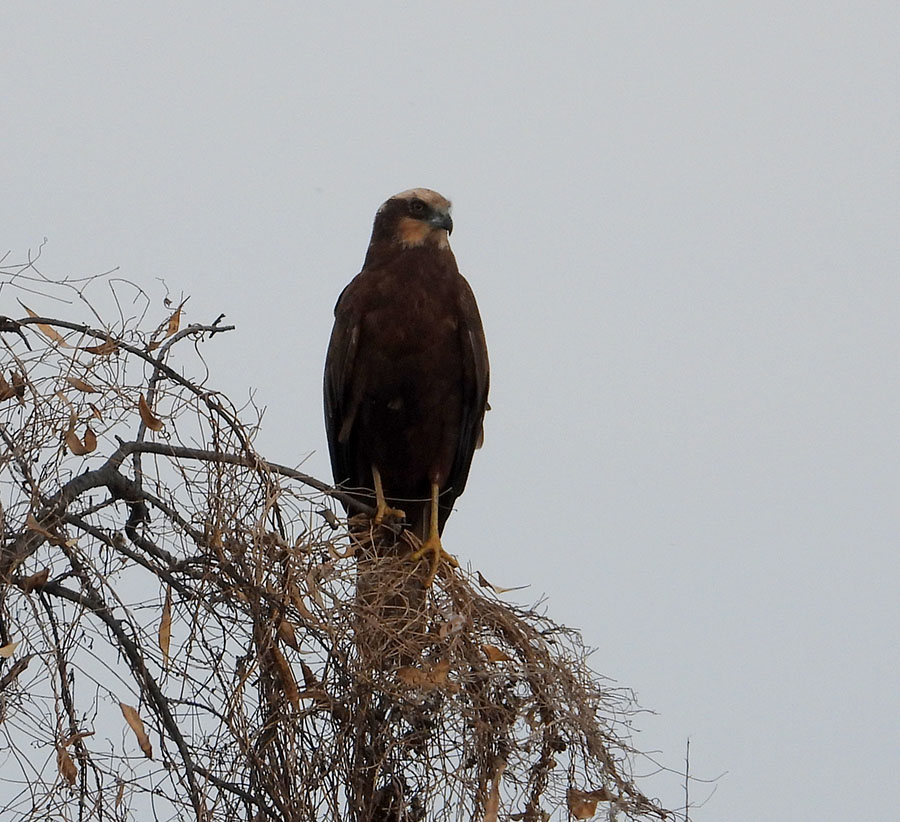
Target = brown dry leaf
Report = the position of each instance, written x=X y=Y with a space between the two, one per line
x=313 y=588
x=33 y=525
x=137 y=725
x=34 y=581
x=317 y=694
x=47 y=330
x=76 y=446
x=286 y=675
x=67 y=402
x=299 y=604
x=165 y=627
x=18 y=387
x=496 y=588
x=17 y=668
x=96 y=411
x=533 y=721
x=104 y=349
x=120 y=794
x=453 y=624
x=147 y=417
x=309 y=678
x=175 y=321
x=437 y=676
x=66 y=766
x=349 y=551
x=90 y=439
x=583 y=804
x=6 y=390
x=434 y=676
x=81 y=385
x=76 y=736
x=6 y=651
x=411 y=676
x=494 y=654
x=287 y=634
x=314 y=689
x=18 y=382
x=492 y=803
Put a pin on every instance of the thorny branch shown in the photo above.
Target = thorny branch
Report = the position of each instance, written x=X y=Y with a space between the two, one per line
x=279 y=668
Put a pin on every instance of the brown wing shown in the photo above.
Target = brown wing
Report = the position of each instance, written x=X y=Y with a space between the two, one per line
x=476 y=377
x=342 y=391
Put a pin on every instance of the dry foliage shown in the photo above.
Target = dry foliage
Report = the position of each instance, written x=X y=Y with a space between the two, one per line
x=183 y=635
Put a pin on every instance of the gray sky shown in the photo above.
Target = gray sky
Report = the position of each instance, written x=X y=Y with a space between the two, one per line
x=681 y=223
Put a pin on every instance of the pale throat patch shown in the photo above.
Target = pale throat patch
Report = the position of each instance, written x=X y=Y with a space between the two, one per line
x=412 y=233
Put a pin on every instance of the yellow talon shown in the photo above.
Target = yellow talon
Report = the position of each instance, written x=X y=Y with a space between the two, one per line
x=432 y=545
x=382 y=509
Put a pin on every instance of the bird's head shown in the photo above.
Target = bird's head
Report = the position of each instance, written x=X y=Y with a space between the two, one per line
x=413 y=218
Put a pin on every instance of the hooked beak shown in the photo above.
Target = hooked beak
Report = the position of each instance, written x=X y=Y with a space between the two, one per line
x=441 y=219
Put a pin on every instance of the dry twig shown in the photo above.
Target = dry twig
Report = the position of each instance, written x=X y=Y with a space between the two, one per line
x=273 y=668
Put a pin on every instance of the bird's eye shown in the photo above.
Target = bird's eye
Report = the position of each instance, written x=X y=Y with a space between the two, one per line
x=417 y=206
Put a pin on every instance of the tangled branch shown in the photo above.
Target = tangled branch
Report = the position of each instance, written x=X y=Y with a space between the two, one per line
x=184 y=632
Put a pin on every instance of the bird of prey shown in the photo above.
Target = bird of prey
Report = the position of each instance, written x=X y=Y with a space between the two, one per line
x=406 y=375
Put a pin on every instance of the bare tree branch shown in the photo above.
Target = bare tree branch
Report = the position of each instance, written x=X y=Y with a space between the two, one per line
x=276 y=663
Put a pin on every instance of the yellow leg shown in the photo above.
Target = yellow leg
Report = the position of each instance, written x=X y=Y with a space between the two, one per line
x=382 y=509
x=432 y=544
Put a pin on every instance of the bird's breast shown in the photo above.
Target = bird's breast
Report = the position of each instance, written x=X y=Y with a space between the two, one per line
x=413 y=322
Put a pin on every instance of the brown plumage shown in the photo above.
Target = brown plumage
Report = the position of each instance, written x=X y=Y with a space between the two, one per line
x=406 y=376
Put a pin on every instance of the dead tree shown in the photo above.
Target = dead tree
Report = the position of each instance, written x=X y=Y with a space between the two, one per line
x=188 y=632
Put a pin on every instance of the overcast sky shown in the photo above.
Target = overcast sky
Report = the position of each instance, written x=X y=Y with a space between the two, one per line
x=682 y=224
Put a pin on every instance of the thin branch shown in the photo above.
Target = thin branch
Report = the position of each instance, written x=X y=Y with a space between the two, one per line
x=179 y=452
x=302 y=681
x=171 y=373
x=135 y=657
